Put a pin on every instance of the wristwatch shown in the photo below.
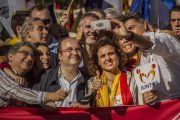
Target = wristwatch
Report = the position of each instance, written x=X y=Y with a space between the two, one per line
x=131 y=37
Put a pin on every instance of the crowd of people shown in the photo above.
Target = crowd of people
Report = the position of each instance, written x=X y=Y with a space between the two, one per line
x=42 y=66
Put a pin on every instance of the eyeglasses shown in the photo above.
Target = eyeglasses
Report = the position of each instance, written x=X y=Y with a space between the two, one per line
x=70 y=49
x=46 y=21
x=26 y=53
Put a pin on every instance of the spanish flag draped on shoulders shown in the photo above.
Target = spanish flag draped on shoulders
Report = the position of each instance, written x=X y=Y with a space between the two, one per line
x=12 y=41
x=119 y=95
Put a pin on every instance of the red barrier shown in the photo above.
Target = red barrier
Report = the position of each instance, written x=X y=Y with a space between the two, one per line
x=162 y=111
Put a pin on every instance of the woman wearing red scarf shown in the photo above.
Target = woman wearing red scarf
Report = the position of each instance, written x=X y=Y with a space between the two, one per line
x=133 y=53
x=110 y=86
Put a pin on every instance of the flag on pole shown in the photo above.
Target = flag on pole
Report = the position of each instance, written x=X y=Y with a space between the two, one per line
x=136 y=6
x=116 y=3
x=76 y=23
x=146 y=10
x=159 y=8
x=125 y=6
x=169 y=3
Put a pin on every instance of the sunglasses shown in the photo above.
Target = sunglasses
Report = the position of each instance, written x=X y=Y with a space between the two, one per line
x=46 y=21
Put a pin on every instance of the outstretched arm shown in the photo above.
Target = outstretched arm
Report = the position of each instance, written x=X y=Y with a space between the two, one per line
x=143 y=42
x=10 y=89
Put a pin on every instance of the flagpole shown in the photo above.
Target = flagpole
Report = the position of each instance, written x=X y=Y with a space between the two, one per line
x=158 y=19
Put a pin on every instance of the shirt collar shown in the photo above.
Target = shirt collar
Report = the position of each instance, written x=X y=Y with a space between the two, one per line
x=14 y=71
x=79 y=76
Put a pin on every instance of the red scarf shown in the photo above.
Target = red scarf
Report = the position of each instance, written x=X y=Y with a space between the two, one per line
x=125 y=91
x=102 y=99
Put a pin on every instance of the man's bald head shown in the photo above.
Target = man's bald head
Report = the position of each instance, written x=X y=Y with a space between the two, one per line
x=65 y=40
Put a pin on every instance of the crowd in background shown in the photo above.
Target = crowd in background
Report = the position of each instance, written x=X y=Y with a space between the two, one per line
x=43 y=66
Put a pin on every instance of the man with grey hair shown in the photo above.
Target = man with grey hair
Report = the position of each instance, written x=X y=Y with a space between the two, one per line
x=21 y=58
x=100 y=13
x=34 y=30
x=113 y=13
x=91 y=36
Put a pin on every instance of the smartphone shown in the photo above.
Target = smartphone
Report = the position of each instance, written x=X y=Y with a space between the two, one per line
x=100 y=24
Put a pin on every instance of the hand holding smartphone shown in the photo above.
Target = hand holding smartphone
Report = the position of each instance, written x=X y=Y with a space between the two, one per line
x=100 y=24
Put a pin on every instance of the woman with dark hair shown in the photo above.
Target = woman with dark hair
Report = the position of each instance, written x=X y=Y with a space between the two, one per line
x=111 y=86
x=42 y=63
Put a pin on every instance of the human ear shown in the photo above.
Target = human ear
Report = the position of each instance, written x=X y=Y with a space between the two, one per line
x=60 y=56
x=10 y=57
x=18 y=29
x=145 y=24
x=27 y=33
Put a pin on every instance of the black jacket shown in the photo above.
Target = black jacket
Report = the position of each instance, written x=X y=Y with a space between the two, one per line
x=49 y=82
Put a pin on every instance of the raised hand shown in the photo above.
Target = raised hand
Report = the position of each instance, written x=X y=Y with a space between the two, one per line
x=97 y=82
x=118 y=28
x=65 y=16
x=64 y=19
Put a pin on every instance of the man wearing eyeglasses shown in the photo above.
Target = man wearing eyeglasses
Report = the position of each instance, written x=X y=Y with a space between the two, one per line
x=21 y=57
x=67 y=76
x=43 y=13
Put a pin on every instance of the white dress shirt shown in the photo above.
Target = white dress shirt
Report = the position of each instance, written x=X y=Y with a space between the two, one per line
x=66 y=86
x=166 y=52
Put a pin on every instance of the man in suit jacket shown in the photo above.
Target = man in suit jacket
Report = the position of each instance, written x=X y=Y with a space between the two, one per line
x=67 y=76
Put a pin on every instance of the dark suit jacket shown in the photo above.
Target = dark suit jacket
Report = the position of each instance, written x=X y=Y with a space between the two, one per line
x=54 y=59
x=49 y=82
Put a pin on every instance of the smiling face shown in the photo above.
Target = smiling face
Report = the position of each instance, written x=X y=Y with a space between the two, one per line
x=91 y=35
x=135 y=27
x=108 y=58
x=39 y=34
x=71 y=54
x=43 y=58
x=21 y=62
x=127 y=46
